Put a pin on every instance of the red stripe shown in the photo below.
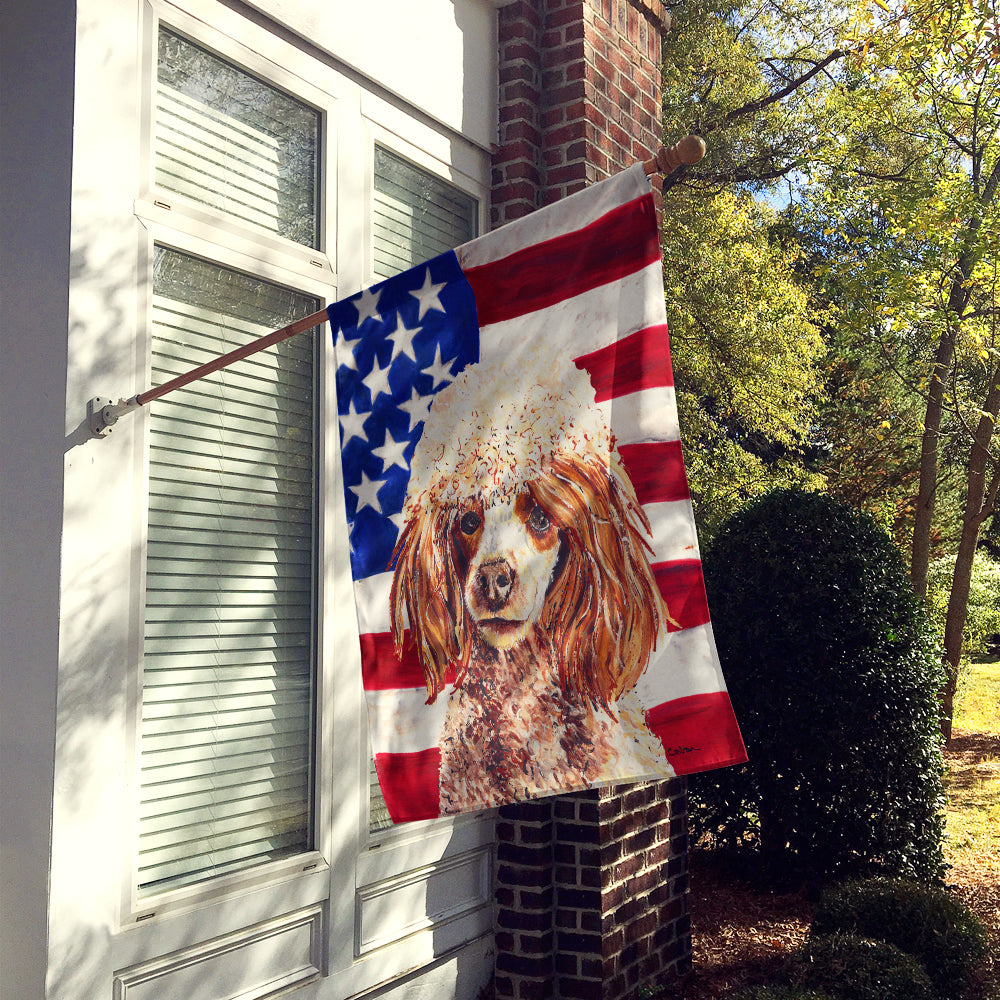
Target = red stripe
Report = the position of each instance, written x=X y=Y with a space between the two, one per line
x=683 y=589
x=383 y=670
x=619 y=243
x=409 y=783
x=639 y=361
x=698 y=733
x=656 y=469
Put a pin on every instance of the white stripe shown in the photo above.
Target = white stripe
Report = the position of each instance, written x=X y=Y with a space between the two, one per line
x=593 y=319
x=564 y=216
x=684 y=664
x=372 y=598
x=673 y=531
x=647 y=415
x=401 y=722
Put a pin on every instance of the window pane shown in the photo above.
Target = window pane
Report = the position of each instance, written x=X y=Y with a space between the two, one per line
x=228 y=140
x=416 y=216
x=228 y=679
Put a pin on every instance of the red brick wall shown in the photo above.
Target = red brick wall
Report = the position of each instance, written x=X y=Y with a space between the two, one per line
x=621 y=889
x=591 y=893
x=591 y=888
x=579 y=96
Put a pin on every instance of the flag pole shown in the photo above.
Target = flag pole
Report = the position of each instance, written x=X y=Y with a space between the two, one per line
x=103 y=413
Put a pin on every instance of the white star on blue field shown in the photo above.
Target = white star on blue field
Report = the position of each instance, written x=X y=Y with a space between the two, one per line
x=397 y=344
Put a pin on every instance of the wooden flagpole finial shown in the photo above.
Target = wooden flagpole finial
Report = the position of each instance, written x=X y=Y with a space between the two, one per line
x=668 y=158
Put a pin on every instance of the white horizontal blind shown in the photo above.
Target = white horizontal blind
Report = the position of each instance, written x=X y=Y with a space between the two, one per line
x=228 y=140
x=416 y=216
x=228 y=659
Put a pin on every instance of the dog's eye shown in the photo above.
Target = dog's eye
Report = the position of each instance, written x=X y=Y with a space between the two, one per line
x=538 y=520
x=470 y=522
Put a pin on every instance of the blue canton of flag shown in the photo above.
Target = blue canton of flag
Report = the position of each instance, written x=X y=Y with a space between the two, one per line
x=398 y=343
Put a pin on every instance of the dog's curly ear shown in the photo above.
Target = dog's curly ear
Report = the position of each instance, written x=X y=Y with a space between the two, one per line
x=604 y=609
x=427 y=594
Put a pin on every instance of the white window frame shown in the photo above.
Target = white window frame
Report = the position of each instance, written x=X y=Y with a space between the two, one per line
x=351 y=874
x=195 y=244
x=180 y=224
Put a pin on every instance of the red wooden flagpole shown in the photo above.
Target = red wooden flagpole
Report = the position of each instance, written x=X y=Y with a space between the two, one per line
x=103 y=413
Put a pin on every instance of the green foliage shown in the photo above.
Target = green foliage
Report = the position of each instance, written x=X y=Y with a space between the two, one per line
x=738 y=72
x=746 y=354
x=907 y=185
x=780 y=992
x=983 y=617
x=866 y=435
x=877 y=125
x=926 y=922
x=833 y=673
x=857 y=968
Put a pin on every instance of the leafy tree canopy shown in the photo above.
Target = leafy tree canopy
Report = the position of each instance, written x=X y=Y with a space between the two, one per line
x=747 y=355
x=875 y=126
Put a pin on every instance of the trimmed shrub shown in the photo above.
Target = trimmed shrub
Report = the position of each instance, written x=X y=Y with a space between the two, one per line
x=782 y=993
x=856 y=968
x=833 y=672
x=924 y=921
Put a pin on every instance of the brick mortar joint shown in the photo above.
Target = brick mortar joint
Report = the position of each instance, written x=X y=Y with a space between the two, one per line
x=655 y=11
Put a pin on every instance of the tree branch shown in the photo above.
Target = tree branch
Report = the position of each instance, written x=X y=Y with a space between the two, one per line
x=754 y=106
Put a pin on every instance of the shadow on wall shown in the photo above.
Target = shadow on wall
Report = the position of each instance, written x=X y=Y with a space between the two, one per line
x=94 y=710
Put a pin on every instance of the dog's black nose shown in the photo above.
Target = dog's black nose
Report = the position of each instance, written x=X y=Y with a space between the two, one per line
x=495 y=580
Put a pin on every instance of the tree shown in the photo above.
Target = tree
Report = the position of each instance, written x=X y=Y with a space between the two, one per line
x=866 y=438
x=879 y=122
x=914 y=186
x=746 y=76
x=747 y=357
x=747 y=352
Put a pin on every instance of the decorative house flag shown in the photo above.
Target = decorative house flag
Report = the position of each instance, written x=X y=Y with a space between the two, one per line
x=529 y=592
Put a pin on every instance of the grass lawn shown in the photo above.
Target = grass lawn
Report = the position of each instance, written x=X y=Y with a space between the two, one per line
x=973 y=811
x=974 y=770
x=978 y=700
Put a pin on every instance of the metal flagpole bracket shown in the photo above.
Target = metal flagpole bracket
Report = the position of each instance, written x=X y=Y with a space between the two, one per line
x=103 y=413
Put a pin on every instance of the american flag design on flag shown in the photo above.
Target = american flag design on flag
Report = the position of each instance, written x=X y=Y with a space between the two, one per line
x=527 y=580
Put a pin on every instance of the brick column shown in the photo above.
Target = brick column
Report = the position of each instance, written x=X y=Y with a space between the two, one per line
x=579 y=96
x=591 y=888
x=621 y=882
x=524 y=896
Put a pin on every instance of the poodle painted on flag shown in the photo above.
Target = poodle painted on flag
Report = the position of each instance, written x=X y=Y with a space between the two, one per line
x=522 y=565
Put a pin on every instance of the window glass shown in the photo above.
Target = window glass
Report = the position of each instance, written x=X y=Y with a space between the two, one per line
x=233 y=142
x=228 y=684
x=416 y=215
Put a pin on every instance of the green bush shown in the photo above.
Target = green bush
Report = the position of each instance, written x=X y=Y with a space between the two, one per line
x=782 y=993
x=856 y=968
x=925 y=922
x=833 y=673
